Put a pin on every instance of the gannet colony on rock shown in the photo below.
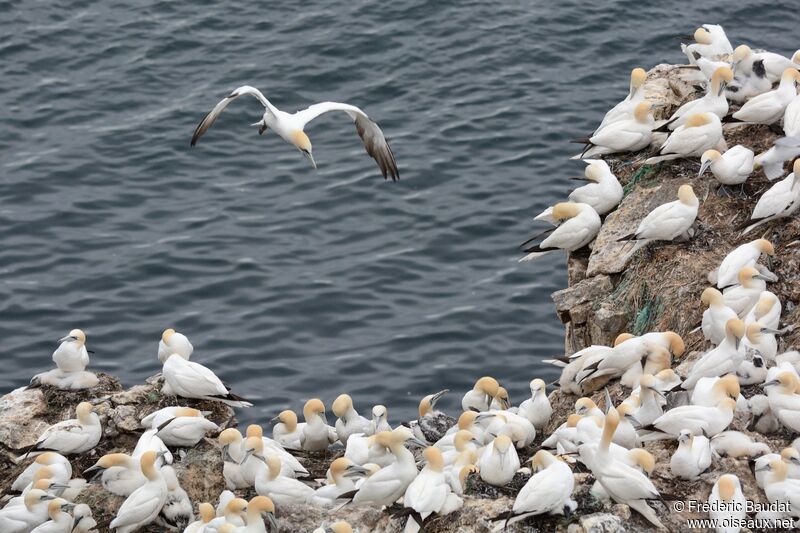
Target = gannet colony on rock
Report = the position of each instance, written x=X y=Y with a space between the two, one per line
x=679 y=381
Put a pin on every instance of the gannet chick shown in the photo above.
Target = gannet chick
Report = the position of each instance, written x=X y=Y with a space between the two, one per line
x=83 y=520
x=727 y=503
x=287 y=431
x=781 y=200
x=769 y=107
x=384 y=487
x=709 y=391
x=349 y=421
x=149 y=441
x=746 y=255
x=667 y=221
x=736 y=444
x=317 y=434
x=185 y=427
x=537 y=408
x=731 y=168
x=724 y=359
x=774 y=64
x=767 y=311
x=700 y=420
x=626 y=135
x=71 y=436
x=144 y=504
x=59 y=470
x=23 y=518
x=177 y=511
x=429 y=492
x=783 y=149
x=499 y=462
x=206 y=513
x=380 y=420
x=700 y=132
x=716 y=317
x=290 y=127
x=338 y=484
x=578 y=225
x=741 y=298
x=192 y=380
x=624 y=109
x=432 y=424
x=71 y=354
x=750 y=76
x=173 y=342
x=480 y=397
x=337 y=527
x=763 y=420
x=120 y=473
x=714 y=101
x=692 y=457
x=280 y=489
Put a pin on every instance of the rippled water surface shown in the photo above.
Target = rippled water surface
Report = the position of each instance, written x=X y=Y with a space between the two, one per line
x=293 y=282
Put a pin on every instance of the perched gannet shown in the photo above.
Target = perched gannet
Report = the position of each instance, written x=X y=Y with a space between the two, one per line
x=500 y=400
x=736 y=444
x=144 y=504
x=767 y=311
x=206 y=513
x=741 y=298
x=711 y=42
x=83 y=520
x=71 y=354
x=537 y=408
x=761 y=340
x=177 y=511
x=791 y=118
x=120 y=473
x=256 y=449
x=603 y=192
x=778 y=487
x=750 y=76
x=338 y=484
x=499 y=461
x=349 y=421
x=578 y=225
x=774 y=64
x=380 y=420
x=784 y=399
x=430 y=492
x=700 y=132
x=431 y=424
x=317 y=434
x=630 y=351
x=290 y=127
x=232 y=513
x=287 y=431
x=649 y=408
x=183 y=427
x=724 y=359
x=173 y=342
x=791 y=458
x=624 y=109
x=783 y=149
x=713 y=102
x=668 y=221
x=60 y=520
x=23 y=518
x=280 y=489
x=731 y=168
x=568 y=381
x=630 y=134
x=149 y=441
x=781 y=200
x=769 y=107
x=192 y=380
x=516 y=426
x=727 y=503
x=65 y=380
x=291 y=466
x=71 y=436
x=700 y=420
x=716 y=317
x=746 y=255
x=59 y=470
x=466 y=421
x=480 y=397
x=692 y=457
x=258 y=508
x=708 y=391
x=463 y=441
x=233 y=455
x=362 y=449
x=763 y=421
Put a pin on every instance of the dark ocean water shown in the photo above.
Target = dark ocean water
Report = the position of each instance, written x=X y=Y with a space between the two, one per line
x=292 y=282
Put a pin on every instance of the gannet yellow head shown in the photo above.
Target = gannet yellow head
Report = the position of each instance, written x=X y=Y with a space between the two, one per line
x=43 y=473
x=254 y=446
x=729 y=386
x=76 y=335
x=686 y=195
x=206 y=512
x=790 y=455
x=708 y=158
x=790 y=74
x=573 y=419
x=289 y=419
x=541 y=459
x=786 y=380
x=638 y=77
x=274 y=464
x=594 y=172
x=433 y=456
x=764 y=245
x=702 y=36
x=56 y=506
x=609 y=427
x=753 y=332
x=796 y=168
x=147 y=463
x=676 y=344
x=565 y=210
x=742 y=52
x=711 y=296
x=461 y=439
x=647 y=381
x=644 y=459
x=622 y=337
x=341 y=405
x=313 y=407
x=735 y=328
x=83 y=412
x=254 y=430
x=113 y=459
x=227 y=528
x=167 y=334
x=698 y=119
x=467 y=419
x=465 y=472
x=584 y=405
x=747 y=275
x=502 y=443
x=340 y=527
x=728 y=404
x=537 y=385
x=338 y=467
x=779 y=470
x=642 y=111
x=764 y=305
x=487 y=385
x=303 y=143
x=229 y=436
x=722 y=74
x=236 y=506
x=502 y=398
x=47 y=458
x=34 y=496
x=727 y=484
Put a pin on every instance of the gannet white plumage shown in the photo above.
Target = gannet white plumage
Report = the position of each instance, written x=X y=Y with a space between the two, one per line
x=708 y=391
x=741 y=298
x=737 y=444
x=479 y=398
x=750 y=76
x=699 y=419
x=624 y=109
x=742 y=256
x=537 y=408
x=348 y=420
x=711 y=42
x=23 y=518
x=769 y=107
x=183 y=427
x=714 y=100
x=630 y=134
x=781 y=200
x=578 y=225
x=727 y=503
x=144 y=504
x=177 y=511
x=71 y=354
x=380 y=420
x=60 y=521
x=173 y=342
x=761 y=340
x=317 y=434
x=692 y=457
x=724 y=359
x=731 y=168
x=783 y=149
x=192 y=380
x=784 y=401
x=716 y=317
x=338 y=483
x=83 y=521
x=700 y=132
x=499 y=461
x=286 y=430
x=280 y=489
x=120 y=473
x=603 y=191
x=291 y=127
x=430 y=491
x=59 y=467
x=767 y=311
x=258 y=508
x=791 y=118
x=71 y=436
x=205 y=513
x=291 y=467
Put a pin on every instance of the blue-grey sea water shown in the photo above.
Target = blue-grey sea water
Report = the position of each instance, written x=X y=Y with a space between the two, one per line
x=291 y=282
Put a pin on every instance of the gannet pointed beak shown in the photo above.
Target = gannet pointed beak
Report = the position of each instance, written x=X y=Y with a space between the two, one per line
x=770 y=383
x=438 y=396
x=273 y=524
x=704 y=167
x=310 y=158
x=67 y=338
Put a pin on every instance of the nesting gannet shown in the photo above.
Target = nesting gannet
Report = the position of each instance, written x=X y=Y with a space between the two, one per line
x=144 y=504
x=177 y=511
x=317 y=434
x=699 y=419
x=233 y=455
x=741 y=298
x=192 y=380
x=119 y=473
x=716 y=317
x=779 y=488
x=731 y=168
x=480 y=397
x=700 y=132
x=708 y=391
x=783 y=149
x=578 y=225
x=629 y=351
x=568 y=381
x=750 y=76
x=183 y=427
x=763 y=420
x=769 y=107
x=668 y=221
x=463 y=441
x=60 y=521
x=537 y=408
x=380 y=420
x=348 y=420
x=711 y=42
x=466 y=421
x=339 y=483
x=205 y=512
x=499 y=461
x=362 y=449
x=291 y=127
x=745 y=255
x=232 y=513
x=287 y=431
x=649 y=408
x=280 y=489
x=23 y=518
x=516 y=426
x=790 y=456
x=291 y=466
x=727 y=503
x=767 y=311
x=431 y=424
x=761 y=340
x=501 y=400
x=692 y=457
x=714 y=101
x=624 y=109
x=384 y=487
x=630 y=134
x=71 y=354
x=724 y=359
x=83 y=520
x=603 y=192
x=774 y=64
x=150 y=441
x=173 y=342
x=60 y=470
x=430 y=492
x=781 y=200
x=65 y=380
x=736 y=444
x=258 y=508
x=784 y=399
x=256 y=449
x=71 y=436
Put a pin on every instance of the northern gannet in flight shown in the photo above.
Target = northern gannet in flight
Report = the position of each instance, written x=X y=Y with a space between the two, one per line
x=290 y=127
